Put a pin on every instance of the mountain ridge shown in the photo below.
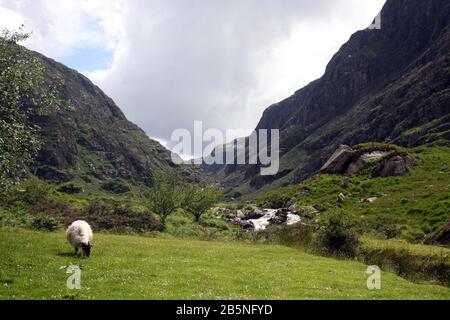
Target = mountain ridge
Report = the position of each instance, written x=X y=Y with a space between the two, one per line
x=388 y=85
x=95 y=143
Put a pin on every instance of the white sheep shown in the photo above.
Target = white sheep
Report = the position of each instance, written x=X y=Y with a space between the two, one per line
x=80 y=235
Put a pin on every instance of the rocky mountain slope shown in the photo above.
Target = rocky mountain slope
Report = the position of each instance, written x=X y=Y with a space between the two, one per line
x=388 y=85
x=95 y=142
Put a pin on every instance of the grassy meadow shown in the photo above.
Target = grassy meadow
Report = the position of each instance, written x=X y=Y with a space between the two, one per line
x=130 y=267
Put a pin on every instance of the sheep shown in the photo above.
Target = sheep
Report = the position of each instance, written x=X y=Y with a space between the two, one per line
x=80 y=235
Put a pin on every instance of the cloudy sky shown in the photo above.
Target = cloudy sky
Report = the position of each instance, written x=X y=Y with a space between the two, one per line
x=167 y=63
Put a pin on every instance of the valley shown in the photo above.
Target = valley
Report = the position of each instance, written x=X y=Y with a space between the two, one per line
x=363 y=180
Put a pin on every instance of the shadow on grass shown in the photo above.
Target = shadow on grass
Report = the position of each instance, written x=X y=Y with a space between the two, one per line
x=71 y=255
x=68 y=255
x=6 y=282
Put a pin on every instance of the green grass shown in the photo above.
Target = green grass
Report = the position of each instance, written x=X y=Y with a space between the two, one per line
x=412 y=206
x=129 y=267
x=416 y=249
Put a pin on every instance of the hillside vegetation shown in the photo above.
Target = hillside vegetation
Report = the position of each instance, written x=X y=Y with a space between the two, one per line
x=412 y=206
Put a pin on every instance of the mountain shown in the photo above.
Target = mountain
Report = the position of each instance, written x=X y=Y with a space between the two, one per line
x=387 y=85
x=95 y=143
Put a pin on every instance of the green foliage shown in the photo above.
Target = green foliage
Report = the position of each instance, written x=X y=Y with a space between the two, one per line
x=198 y=200
x=14 y=218
x=337 y=236
x=44 y=223
x=417 y=263
x=297 y=235
x=164 y=197
x=24 y=93
x=117 y=217
x=70 y=188
x=182 y=224
x=116 y=187
x=410 y=207
x=30 y=191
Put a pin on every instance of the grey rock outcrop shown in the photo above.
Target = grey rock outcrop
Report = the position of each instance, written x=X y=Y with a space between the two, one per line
x=395 y=166
x=338 y=162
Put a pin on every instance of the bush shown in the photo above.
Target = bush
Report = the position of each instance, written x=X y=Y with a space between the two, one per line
x=70 y=188
x=431 y=267
x=116 y=187
x=31 y=191
x=44 y=223
x=198 y=200
x=102 y=215
x=297 y=235
x=338 y=237
x=117 y=217
x=249 y=207
x=53 y=208
x=13 y=218
x=182 y=224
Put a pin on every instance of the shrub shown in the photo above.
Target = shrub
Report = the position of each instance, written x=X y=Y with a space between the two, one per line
x=274 y=201
x=53 y=208
x=32 y=191
x=117 y=217
x=116 y=187
x=70 y=188
x=198 y=201
x=249 y=207
x=392 y=231
x=13 y=218
x=430 y=267
x=338 y=237
x=179 y=219
x=44 y=223
x=298 y=235
x=219 y=224
x=181 y=224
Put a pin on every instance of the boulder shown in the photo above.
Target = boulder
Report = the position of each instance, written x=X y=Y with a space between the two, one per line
x=281 y=217
x=338 y=162
x=395 y=166
x=363 y=160
x=254 y=214
x=291 y=202
x=341 y=198
x=369 y=200
x=293 y=219
x=240 y=214
x=246 y=225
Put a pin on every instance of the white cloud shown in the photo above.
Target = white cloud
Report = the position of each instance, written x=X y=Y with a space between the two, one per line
x=176 y=61
x=60 y=26
x=10 y=19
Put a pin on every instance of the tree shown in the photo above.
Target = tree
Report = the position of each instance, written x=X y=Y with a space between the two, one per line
x=25 y=91
x=164 y=198
x=197 y=200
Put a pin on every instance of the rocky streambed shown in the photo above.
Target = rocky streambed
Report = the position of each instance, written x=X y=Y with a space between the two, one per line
x=259 y=219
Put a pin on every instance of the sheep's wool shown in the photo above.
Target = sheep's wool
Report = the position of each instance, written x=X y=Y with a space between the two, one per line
x=79 y=233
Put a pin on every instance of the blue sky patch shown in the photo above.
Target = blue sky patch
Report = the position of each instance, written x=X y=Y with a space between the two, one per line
x=88 y=59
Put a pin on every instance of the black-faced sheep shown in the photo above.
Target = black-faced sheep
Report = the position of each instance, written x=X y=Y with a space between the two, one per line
x=80 y=235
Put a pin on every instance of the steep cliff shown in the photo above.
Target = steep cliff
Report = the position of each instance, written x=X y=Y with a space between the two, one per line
x=95 y=142
x=386 y=85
